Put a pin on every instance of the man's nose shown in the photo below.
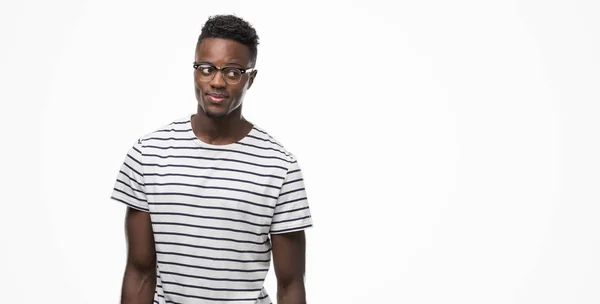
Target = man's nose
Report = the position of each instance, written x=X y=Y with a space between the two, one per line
x=218 y=81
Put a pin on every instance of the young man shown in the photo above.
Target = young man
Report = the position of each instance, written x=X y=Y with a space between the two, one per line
x=211 y=195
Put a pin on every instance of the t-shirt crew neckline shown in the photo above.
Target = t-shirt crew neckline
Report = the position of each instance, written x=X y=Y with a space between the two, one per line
x=199 y=142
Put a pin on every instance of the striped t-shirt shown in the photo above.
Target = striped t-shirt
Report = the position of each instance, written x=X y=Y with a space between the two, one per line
x=212 y=209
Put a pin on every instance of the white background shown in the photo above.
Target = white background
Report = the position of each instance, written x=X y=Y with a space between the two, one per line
x=450 y=148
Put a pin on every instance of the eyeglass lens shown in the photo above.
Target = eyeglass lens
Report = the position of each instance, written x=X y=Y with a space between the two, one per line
x=230 y=74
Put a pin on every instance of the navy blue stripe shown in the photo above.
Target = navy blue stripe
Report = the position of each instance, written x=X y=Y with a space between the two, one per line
x=208 y=227
x=209 y=288
x=135 y=160
x=262 y=148
x=131 y=168
x=212 y=268
x=211 y=218
x=215 y=159
x=293 y=171
x=211 y=187
x=207 y=298
x=213 y=177
x=259 y=130
x=264 y=139
x=136 y=150
x=290 y=229
x=129 y=186
x=169 y=138
x=292 y=181
x=209 y=197
x=131 y=179
x=292 y=191
x=173 y=130
x=181 y=122
x=211 y=278
x=209 y=237
x=212 y=258
x=208 y=207
x=214 y=248
x=213 y=168
x=219 y=150
x=129 y=204
x=292 y=201
x=135 y=198
x=285 y=221
x=173 y=302
x=290 y=211
x=271 y=139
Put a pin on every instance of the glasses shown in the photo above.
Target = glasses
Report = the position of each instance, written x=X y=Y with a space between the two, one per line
x=231 y=75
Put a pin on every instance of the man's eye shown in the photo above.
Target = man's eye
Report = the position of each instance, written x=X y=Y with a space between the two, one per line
x=233 y=73
x=206 y=70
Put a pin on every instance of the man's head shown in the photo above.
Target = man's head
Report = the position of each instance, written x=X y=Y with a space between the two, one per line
x=224 y=64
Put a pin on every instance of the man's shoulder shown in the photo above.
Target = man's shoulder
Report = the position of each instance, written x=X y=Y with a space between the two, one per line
x=176 y=128
x=262 y=137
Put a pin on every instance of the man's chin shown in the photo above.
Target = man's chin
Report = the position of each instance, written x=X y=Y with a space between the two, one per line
x=213 y=115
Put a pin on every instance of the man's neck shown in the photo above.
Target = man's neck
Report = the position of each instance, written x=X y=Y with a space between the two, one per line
x=220 y=131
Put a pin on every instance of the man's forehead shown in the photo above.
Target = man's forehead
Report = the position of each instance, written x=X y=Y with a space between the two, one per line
x=222 y=50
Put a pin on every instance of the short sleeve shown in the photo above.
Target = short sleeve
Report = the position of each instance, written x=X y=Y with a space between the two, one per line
x=292 y=212
x=129 y=187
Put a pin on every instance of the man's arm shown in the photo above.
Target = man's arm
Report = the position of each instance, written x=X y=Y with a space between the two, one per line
x=139 y=280
x=289 y=251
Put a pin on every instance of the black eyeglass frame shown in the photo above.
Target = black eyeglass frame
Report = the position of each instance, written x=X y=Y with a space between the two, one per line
x=243 y=71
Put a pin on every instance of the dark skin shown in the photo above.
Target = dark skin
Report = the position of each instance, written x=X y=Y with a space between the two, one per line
x=289 y=259
x=139 y=280
x=223 y=122
x=217 y=123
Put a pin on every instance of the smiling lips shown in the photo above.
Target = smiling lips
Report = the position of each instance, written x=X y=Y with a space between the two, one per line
x=217 y=98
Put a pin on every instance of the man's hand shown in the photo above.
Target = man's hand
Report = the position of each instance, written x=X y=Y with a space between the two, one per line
x=289 y=255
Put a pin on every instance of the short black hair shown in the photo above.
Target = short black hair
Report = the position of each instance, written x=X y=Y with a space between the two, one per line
x=231 y=27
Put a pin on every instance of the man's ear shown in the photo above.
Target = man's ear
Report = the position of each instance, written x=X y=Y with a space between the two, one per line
x=252 y=76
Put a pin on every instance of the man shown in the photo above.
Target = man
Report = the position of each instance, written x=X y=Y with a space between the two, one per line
x=210 y=196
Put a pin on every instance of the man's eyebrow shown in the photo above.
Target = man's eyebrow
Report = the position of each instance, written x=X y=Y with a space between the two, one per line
x=235 y=63
x=226 y=64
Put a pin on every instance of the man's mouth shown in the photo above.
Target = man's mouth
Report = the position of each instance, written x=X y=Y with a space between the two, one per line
x=217 y=98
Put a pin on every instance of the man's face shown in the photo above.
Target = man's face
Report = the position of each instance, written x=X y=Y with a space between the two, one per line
x=220 y=96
